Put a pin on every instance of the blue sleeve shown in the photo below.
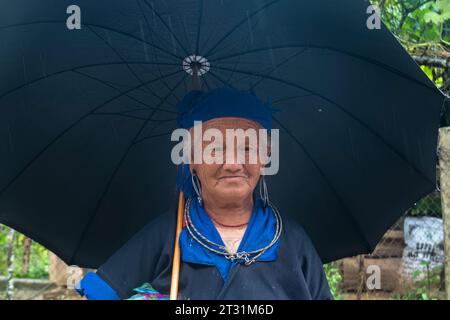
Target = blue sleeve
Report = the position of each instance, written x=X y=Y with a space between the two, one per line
x=95 y=288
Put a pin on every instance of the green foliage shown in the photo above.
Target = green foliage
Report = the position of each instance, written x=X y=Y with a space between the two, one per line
x=427 y=284
x=423 y=28
x=428 y=206
x=417 y=22
x=334 y=278
x=38 y=265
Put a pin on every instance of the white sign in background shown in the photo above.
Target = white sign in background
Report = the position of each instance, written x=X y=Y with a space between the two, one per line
x=424 y=239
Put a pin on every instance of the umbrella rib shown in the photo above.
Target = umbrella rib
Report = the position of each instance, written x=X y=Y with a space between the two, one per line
x=234 y=69
x=293 y=97
x=159 y=71
x=239 y=58
x=152 y=128
x=248 y=76
x=206 y=84
x=269 y=72
x=115 y=84
x=220 y=79
x=116 y=169
x=94 y=25
x=279 y=65
x=362 y=123
x=357 y=56
x=123 y=60
x=147 y=106
x=136 y=109
x=23 y=85
x=199 y=24
x=157 y=124
x=154 y=51
x=354 y=222
x=166 y=42
x=54 y=140
x=232 y=30
x=213 y=30
x=245 y=39
x=139 y=39
x=151 y=137
x=117 y=114
x=137 y=141
x=167 y=27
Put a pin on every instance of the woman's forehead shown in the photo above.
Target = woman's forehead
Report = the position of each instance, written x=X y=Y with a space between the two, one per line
x=230 y=123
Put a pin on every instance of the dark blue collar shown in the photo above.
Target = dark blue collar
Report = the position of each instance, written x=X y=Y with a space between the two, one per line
x=259 y=233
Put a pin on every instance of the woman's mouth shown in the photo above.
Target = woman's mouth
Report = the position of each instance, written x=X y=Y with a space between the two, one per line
x=232 y=178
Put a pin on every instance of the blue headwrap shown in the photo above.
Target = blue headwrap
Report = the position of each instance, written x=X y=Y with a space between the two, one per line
x=218 y=103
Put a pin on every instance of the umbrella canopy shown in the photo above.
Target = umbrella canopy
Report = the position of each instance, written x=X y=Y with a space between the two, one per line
x=86 y=114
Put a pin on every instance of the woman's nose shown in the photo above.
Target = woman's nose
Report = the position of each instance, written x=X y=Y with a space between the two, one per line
x=232 y=167
x=232 y=163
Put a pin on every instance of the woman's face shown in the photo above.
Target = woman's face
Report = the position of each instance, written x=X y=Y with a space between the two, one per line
x=230 y=181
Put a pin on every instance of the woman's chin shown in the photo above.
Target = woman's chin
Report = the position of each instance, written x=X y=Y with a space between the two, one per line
x=234 y=193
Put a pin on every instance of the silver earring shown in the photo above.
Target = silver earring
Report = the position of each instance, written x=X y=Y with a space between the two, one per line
x=197 y=187
x=263 y=192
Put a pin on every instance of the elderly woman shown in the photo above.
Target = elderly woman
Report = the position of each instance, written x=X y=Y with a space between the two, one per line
x=234 y=243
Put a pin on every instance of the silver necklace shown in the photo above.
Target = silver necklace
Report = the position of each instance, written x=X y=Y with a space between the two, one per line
x=221 y=250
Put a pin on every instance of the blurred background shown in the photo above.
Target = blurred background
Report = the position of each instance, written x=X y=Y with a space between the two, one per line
x=408 y=262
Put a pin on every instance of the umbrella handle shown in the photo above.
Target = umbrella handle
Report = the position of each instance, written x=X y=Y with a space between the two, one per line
x=195 y=85
x=176 y=252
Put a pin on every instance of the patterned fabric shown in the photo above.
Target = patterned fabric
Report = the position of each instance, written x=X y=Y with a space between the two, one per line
x=146 y=292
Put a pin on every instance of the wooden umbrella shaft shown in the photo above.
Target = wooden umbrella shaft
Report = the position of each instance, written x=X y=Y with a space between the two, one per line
x=176 y=251
x=195 y=85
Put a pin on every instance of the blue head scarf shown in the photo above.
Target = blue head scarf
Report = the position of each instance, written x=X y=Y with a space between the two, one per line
x=218 y=103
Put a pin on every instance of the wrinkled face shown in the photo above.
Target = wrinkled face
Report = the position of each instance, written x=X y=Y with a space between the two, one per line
x=233 y=180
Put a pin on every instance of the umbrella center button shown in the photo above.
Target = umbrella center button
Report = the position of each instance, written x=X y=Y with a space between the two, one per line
x=200 y=63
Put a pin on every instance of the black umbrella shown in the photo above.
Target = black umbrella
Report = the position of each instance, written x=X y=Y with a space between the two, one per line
x=86 y=114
